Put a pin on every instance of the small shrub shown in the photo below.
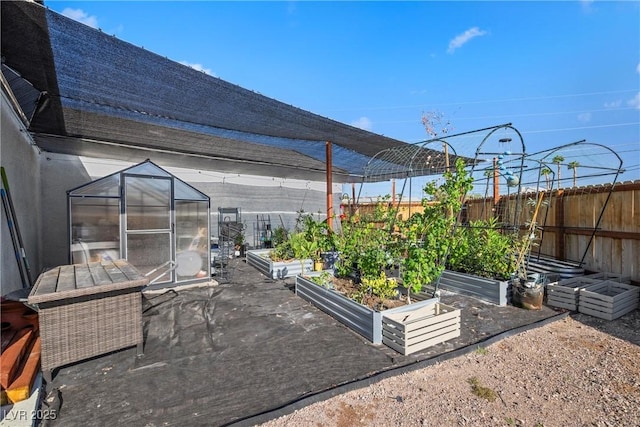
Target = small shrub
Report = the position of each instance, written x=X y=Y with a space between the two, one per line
x=279 y=236
x=380 y=286
x=324 y=280
x=482 y=351
x=481 y=391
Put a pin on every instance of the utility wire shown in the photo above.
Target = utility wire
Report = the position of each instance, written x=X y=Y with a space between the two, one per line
x=489 y=101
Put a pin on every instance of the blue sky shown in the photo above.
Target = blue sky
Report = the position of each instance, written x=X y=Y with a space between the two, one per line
x=558 y=71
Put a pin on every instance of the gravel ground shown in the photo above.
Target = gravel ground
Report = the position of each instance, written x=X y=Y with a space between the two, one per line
x=578 y=371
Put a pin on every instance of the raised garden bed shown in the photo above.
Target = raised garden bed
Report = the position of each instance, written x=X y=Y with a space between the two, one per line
x=608 y=299
x=362 y=319
x=497 y=292
x=565 y=293
x=259 y=258
x=421 y=328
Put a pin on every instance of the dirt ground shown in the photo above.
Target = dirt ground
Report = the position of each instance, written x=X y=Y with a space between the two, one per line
x=578 y=371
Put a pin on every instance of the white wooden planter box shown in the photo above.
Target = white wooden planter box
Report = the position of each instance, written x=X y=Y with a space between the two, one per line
x=362 y=319
x=565 y=293
x=407 y=333
x=608 y=299
x=259 y=258
x=498 y=292
x=615 y=277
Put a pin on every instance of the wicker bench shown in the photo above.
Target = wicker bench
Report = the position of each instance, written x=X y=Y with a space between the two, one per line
x=87 y=310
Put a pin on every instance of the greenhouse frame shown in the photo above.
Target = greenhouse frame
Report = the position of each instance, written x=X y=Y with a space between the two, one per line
x=147 y=216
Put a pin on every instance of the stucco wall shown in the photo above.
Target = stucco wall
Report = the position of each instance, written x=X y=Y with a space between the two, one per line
x=60 y=173
x=20 y=159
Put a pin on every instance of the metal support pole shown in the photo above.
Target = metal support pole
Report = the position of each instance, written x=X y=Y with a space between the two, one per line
x=329 y=186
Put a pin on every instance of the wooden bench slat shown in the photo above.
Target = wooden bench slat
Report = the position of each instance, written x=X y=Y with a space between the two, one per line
x=67 y=278
x=99 y=275
x=83 y=277
x=47 y=282
x=114 y=273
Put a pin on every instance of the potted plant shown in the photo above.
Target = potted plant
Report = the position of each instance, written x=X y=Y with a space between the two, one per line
x=528 y=288
x=321 y=238
x=239 y=244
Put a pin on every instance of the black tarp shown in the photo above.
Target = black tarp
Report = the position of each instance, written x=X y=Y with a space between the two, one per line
x=245 y=351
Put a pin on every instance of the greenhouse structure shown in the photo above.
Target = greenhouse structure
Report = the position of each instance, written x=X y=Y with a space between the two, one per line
x=132 y=214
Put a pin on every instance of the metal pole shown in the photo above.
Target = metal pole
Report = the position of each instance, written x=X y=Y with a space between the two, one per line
x=329 y=186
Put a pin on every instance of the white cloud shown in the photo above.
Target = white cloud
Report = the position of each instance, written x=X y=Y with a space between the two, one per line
x=363 y=123
x=634 y=102
x=584 y=117
x=613 y=104
x=198 y=67
x=81 y=16
x=463 y=38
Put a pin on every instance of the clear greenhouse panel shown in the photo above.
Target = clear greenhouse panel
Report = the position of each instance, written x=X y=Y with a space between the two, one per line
x=146 y=215
x=95 y=229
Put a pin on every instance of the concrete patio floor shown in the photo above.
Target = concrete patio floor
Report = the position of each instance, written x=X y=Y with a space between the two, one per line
x=248 y=350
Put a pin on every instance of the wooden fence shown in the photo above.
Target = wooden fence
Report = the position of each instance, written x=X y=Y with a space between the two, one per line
x=568 y=220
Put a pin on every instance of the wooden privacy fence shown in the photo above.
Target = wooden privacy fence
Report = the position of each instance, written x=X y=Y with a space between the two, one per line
x=568 y=223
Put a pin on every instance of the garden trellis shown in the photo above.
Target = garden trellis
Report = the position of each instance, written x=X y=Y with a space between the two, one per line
x=578 y=170
x=499 y=149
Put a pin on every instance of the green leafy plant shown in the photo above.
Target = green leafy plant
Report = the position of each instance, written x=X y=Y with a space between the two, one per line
x=317 y=233
x=295 y=247
x=323 y=279
x=279 y=236
x=364 y=249
x=308 y=241
x=482 y=248
x=382 y=286
x=282 y=252
x=238 y=240
x=427 y=235
x=301 y=247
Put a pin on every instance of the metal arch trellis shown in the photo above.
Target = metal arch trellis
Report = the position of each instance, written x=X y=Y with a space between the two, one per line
x=405 y=163
x=599 y=161
x=503 y=162
x=427 y=158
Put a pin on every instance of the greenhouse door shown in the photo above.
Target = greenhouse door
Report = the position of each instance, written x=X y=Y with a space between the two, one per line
x=147 y=209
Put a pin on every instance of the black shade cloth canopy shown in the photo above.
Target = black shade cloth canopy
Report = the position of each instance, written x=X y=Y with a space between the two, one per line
x=103 y=97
